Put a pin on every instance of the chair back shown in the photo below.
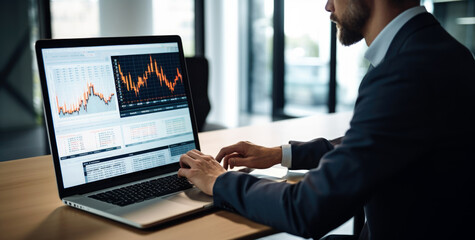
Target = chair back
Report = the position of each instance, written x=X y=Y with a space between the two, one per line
x=198 y=74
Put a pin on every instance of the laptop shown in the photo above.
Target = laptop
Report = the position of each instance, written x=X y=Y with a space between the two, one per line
x=119 y=115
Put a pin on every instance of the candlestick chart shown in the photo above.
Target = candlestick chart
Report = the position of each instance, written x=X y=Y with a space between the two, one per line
x=141 y=79
x=83 y=89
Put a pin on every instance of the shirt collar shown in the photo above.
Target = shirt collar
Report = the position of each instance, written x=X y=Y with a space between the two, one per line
x=378 y=48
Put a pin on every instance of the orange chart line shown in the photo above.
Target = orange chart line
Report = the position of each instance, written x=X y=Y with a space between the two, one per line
x=82 y=101
x=142 y=80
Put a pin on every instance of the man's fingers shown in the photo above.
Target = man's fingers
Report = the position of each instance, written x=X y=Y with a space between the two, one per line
x=238 y=147
x=225 y=151
x=183 y=165
x=196 y=152
x=237 y=161
x=184 y=172
x=227 y=157
x=186 y=161
x=197 y=155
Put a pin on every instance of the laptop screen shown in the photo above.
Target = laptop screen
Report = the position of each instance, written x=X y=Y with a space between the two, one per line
x=117 y=109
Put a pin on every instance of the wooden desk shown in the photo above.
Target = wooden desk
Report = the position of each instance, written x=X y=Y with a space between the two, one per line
x=30 y=207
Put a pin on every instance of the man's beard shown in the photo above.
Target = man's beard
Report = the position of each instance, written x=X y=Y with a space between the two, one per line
x=350 y=24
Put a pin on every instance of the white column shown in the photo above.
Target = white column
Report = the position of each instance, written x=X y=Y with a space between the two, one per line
x=222 y=51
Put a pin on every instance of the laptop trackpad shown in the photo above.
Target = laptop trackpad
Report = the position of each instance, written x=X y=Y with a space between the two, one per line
x=166 y=208
x=192 y=196
x=155 y=212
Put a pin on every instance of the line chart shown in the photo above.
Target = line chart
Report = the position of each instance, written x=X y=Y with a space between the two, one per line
x=147 y=77
x=83 y=89
x=82 y=101
x=152 y=68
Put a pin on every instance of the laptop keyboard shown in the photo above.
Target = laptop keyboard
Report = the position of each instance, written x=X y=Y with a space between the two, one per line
x=143 y=191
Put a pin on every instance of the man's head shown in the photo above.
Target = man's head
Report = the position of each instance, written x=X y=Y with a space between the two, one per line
x=352 y=16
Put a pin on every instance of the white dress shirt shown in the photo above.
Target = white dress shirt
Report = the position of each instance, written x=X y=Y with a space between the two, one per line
x=379 y=47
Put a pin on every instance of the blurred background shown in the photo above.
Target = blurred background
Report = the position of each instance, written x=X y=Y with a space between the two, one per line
x=268 y=59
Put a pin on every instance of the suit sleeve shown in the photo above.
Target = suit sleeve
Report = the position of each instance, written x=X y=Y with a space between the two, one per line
x=307 y=155
x=390 y=115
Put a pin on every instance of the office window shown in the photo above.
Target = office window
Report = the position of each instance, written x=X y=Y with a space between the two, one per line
x=103 y=18
x=306 y=54
x=351 y=66
x=307 y=57
x=172 y=17
x=261 y=36
x=458 y=18
x=75 y=18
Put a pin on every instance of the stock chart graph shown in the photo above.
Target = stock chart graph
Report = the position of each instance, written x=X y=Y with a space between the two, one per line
x=83 y=89
x=148 y=77
x=146 y=81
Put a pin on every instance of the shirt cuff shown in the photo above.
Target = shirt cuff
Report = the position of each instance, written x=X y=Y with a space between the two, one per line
x=286 y=155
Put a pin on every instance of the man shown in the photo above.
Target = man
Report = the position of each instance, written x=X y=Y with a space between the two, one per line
x=408 y=157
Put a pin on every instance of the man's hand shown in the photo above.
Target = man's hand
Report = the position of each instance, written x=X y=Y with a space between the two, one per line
x=201 y=170
x=249 y=155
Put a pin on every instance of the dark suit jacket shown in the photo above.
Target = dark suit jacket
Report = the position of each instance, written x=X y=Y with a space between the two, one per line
x=408 y=157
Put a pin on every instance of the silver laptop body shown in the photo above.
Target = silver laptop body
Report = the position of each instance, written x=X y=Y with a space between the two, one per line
x=119 y=113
